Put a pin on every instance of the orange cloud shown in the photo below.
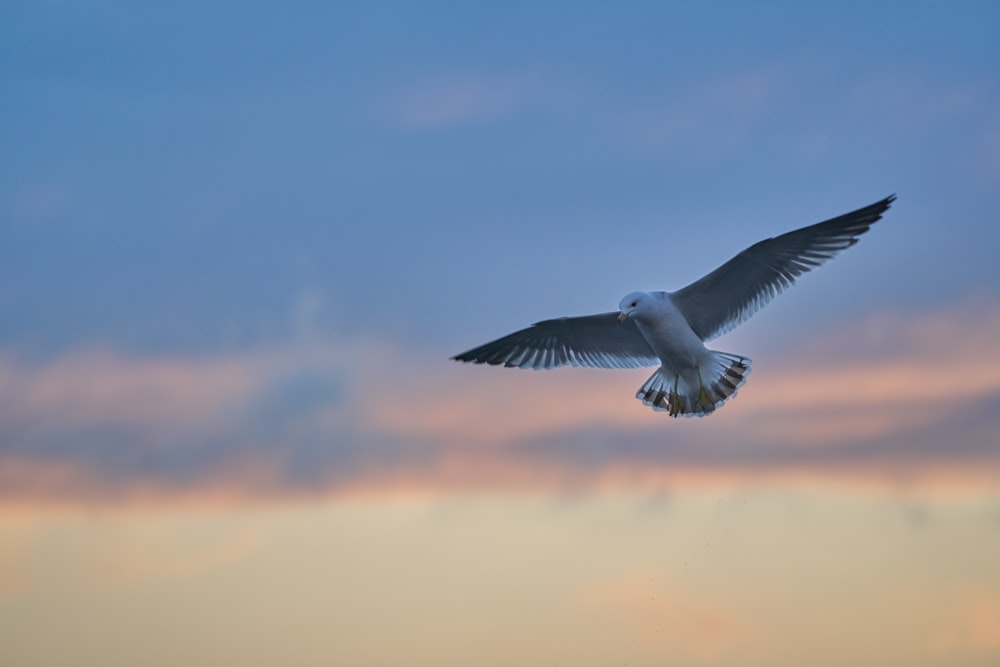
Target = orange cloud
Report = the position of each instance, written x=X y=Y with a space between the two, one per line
x=353 y=417
x=101 y=388
x=972 y=626
x=935 y=366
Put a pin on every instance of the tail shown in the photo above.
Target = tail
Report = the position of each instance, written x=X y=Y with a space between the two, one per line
x=695 y=392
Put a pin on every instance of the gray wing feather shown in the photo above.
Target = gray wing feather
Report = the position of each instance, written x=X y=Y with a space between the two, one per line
x=736 y=290
x=598 y=341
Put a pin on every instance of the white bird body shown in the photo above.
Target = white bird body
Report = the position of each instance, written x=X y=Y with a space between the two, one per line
x=665 y=329
x=692 y=379
x=669 y=329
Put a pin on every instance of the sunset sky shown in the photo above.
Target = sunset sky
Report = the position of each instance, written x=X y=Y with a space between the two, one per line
x=240 y=241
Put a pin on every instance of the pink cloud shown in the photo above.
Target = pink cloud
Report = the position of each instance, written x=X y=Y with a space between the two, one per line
x=100 y=388
x=352 y=417
x=935 y=367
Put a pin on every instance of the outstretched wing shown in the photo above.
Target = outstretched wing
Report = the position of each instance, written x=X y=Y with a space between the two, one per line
x=739 y=288
x=598 y=341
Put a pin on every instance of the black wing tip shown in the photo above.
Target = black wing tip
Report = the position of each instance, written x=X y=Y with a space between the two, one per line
x=879 y=208
x=881 y=205
x=884 y=204
x=474 y=357
x=863 y=218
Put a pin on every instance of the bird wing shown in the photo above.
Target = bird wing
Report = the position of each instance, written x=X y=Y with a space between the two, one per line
x=597 y=341
x=739 y=288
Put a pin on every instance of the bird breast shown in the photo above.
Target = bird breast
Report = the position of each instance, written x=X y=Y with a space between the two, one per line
x=667 y=331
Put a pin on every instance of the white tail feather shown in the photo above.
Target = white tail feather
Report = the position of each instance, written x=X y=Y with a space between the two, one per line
x=695 y=392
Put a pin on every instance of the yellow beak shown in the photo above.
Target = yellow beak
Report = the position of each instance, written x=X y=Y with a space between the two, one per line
x=622 y=317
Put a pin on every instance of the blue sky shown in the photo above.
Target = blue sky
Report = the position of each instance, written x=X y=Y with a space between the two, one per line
x=183 y=178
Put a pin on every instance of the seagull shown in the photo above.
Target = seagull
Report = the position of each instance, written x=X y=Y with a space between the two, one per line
x=669 y=329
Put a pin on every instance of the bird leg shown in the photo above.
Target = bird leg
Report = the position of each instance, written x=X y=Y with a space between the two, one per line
x=704 y=400
x=674 y=399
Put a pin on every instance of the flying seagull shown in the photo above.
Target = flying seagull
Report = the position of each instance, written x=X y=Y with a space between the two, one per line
x=669 y=329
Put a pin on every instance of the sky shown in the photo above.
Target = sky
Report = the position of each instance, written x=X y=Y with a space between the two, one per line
x=240 y=241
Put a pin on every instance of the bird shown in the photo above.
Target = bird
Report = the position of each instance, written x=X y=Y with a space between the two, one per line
x=669 y=329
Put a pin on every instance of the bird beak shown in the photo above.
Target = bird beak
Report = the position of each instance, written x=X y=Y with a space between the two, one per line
x=622 y=317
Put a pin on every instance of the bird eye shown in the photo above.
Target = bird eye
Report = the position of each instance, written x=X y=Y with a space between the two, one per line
x=634 y=304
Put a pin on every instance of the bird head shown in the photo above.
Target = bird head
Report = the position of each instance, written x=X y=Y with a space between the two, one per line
x=632 y=304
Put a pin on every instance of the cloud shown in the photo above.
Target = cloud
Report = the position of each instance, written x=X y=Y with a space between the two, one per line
x=100 y=388
x=972 y=626
x=927 y=102
x=806 y=113
x=460 y=99
x=710 y=118
x=732 y=103
x=896 y=398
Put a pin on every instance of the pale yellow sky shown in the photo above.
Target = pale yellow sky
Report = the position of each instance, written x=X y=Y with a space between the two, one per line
x=723 y=574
